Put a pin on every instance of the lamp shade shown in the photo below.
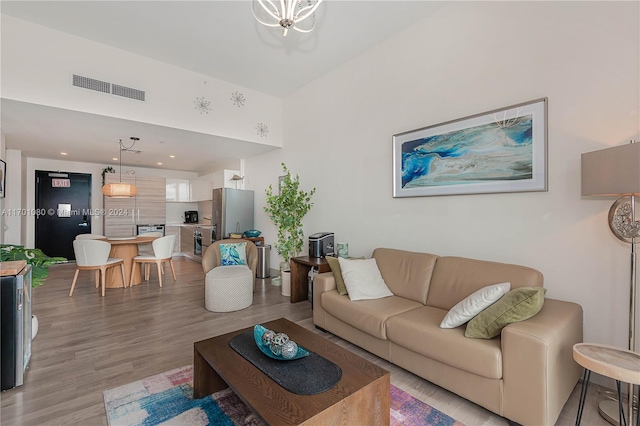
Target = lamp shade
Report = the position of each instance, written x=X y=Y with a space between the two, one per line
x=612 y=171
x=119 y=190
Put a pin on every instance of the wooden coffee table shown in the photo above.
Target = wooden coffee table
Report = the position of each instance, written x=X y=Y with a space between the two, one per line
x=360 y=397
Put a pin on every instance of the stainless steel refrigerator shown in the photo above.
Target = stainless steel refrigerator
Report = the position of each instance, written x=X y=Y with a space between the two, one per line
x=232 y=212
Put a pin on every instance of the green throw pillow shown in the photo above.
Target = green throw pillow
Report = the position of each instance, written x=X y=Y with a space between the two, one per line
x=518 y=305
x=337 y=273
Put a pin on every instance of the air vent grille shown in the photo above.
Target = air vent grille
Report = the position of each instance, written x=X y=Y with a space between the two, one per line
x=91 y=84
x=106 y=87
x=127 y=92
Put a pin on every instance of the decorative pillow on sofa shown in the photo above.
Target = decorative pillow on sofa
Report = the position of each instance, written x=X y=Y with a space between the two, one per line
x=363 y=280
x=473 y=304
x=337 y=273
x=233 y=254
x=518 y=305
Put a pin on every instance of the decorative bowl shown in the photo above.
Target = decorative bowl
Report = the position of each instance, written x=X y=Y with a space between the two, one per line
x=274 y=345
x=235 y=235
x=252 y=233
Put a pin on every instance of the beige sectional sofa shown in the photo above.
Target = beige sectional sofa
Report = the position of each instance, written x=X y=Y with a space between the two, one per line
x=525 y=375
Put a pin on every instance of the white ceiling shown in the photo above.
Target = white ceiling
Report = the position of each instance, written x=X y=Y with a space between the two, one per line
x=216 y=38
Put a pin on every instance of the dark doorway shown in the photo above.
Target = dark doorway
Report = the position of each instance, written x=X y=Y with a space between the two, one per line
x=63 y=201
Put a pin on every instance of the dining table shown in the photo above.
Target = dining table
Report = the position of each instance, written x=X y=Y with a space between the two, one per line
x=125 y=248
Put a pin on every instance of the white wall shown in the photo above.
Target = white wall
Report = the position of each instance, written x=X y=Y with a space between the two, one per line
x=3 y=215
x=13 y=197
x=465 y=59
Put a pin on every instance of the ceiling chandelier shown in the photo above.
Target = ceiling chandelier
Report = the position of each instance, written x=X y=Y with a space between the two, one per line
x=121 y=190
x=289 y=15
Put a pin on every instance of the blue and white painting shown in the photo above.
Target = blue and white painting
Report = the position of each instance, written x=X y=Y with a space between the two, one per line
x=475 y=155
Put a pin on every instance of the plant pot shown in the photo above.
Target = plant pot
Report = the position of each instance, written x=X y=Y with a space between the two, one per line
x=286 y=283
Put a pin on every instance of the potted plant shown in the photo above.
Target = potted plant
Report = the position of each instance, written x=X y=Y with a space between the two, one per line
x=286 y=210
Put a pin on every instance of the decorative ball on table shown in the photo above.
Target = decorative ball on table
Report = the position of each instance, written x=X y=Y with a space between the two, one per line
x=267 y=337
x=289 y=349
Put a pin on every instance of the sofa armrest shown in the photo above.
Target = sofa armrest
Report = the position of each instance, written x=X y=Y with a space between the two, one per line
x=539 y=372
x=321 y=283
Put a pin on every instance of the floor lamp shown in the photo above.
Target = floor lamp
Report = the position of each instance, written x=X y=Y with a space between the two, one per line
x=616 y=172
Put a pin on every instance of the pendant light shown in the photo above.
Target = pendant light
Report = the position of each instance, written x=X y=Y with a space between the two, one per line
x=121 y=190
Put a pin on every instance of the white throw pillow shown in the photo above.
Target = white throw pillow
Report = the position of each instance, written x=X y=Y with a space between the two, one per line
x=473 y=304
x=363 y=280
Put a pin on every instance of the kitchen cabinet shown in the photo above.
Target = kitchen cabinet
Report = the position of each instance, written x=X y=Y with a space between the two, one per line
x=121 y=215
x=186 y=239
x=178 y=190
x=201 y=189
x=150 y=201
x=174 y=230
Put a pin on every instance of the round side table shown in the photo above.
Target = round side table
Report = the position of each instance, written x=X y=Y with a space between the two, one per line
x=616 y=363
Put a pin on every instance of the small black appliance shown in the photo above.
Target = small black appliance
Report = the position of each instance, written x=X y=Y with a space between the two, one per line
x=321 y=244
x=191 y=216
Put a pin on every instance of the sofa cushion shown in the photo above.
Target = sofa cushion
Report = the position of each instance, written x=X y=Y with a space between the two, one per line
x=368 y=316
x=517 y=305
x=418 y=330
x=334 y=264
x=407 y=273
x=455 y=278
x=363 y=280
x=472 y=305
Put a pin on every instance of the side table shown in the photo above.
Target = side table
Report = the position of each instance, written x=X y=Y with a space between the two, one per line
x=300 y=267
x=619 y=364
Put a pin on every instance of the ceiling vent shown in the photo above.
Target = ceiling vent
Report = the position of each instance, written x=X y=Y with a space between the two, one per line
x=127 y=92
x=91 y=84
x=106 y=87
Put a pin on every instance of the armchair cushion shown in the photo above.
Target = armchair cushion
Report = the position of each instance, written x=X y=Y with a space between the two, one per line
x=211 y=257
x=233 y=254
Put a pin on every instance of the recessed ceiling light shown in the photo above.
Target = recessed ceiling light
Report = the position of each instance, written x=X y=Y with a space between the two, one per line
x=159 y=164
x=114 y=159
x=63 y=153
x=172 y=156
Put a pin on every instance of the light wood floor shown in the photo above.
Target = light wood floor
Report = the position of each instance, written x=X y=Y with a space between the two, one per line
x=88 y=344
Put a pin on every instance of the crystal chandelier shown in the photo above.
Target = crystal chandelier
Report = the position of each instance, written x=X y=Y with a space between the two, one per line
x=289 y=15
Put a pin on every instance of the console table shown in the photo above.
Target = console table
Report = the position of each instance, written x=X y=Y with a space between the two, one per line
x=300 y=267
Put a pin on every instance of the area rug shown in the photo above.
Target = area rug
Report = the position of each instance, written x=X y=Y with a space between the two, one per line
x=167 y=399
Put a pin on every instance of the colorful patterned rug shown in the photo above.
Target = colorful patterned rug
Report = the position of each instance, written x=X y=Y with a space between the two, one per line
x=167 y=399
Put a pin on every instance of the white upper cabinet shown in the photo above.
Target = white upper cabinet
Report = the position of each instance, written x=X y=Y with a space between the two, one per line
x=178 y=190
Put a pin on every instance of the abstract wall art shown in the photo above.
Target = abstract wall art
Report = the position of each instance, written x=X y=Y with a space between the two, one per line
x=503 y=150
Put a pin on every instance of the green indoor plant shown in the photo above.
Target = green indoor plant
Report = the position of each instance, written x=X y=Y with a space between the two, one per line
x=106 y=170
x=286 y=211
x=39 y=261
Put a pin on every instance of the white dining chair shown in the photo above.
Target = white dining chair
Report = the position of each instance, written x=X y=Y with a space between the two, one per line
x=146 y=249
x=162 y=251
x=94 y=255
x=89 y=236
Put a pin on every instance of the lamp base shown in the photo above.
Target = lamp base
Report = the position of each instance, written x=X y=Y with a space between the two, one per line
x=608 y=409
